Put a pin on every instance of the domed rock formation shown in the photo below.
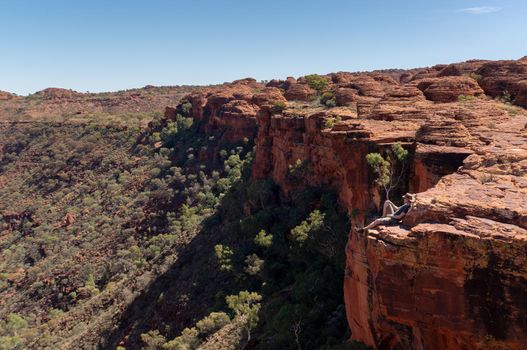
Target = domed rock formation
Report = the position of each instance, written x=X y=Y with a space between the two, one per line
x=449 y=89
x=505 y=79
x=345 y=96
x=445 y=132
x=300 y=92
x=57 y=93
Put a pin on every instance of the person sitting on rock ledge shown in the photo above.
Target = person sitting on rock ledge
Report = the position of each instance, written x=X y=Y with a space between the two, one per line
x=391 y=214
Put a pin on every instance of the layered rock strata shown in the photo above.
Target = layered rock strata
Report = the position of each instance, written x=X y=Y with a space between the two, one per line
x=454 y=274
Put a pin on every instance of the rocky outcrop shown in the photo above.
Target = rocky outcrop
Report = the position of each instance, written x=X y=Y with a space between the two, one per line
x=346 y=96
x=57 y=93
x=449 y=89
x=505 y=79
x=453 y=276
x=300 y=92
x=6 y=95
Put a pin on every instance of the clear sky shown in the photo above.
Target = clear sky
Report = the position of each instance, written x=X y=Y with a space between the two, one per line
x=105 y=45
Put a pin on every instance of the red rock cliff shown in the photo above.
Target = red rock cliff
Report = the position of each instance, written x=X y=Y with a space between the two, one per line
x=454 y=276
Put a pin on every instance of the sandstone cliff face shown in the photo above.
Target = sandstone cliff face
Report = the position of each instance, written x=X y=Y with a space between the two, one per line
x=454 y=275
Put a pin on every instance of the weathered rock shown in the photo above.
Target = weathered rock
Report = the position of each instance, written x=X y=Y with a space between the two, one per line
x=4 y=95
x=505 y=79
x=268 y=97
x=367 y=86
x=282 y=84
x=459 y=69
x=300 y=92
x=454 y=275
x=346 y=96
x=448 y=89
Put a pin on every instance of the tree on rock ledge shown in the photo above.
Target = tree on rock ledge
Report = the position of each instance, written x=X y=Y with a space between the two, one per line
x=389 y=171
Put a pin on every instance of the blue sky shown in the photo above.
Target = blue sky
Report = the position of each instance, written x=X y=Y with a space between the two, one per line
x=105 y=45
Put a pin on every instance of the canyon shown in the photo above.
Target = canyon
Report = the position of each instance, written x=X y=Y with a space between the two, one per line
x=453 y=275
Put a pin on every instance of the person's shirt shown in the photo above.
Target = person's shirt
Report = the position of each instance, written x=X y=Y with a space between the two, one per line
x=403 y=209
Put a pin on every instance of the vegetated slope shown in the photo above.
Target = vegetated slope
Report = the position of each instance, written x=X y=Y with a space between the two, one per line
x=91 y=216
x=88 y=215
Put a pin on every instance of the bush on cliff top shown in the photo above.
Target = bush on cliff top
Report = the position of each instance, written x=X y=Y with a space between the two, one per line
x=317 y=82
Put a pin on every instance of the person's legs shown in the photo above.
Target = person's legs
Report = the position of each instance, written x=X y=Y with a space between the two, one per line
x=379 y=221
x=389 y=208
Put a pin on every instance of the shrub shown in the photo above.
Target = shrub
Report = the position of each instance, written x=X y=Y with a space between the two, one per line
x=298 y=169
x=317 y=82
x=186 y=341
x=14 y=324
x=279 y=106
x=328 y=99
x=506 y=97
x=224 y=255
x=263 y=239
x=330 y=121
x=305 y=230
x=246 y=304
x=11 y=343
x=253 y=264
x=465 y=98
x=475 y=76
x=213 y=322
x=186 y=108
x=152 y=340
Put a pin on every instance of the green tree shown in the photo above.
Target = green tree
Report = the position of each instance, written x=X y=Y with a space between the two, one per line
x=188 y=340
x=306 y=229
x=213 y=322
x=253 y=264
x=224 y=255
x=328 y=99
x=246 y=304
x=263 y=239
x=391 y=170
x=152 y=340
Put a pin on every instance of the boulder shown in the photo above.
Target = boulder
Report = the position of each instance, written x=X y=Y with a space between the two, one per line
x=300 y=92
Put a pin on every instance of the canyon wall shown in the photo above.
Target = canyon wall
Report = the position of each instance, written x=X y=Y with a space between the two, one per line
x=454 y=274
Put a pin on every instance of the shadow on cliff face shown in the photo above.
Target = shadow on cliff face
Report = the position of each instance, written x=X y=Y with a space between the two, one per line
x=301 y=279
x=184 y=294
x=491 y=295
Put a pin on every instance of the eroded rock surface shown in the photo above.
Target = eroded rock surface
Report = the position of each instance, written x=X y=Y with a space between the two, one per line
x=454 y=275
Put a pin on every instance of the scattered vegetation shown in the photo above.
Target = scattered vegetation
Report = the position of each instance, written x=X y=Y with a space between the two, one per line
x=330 y=121
x=506 y=97
x=96 y=211
x=105 y=212
x=279 y=106
x=328 y=99
x=466 y=98
x=475 y=76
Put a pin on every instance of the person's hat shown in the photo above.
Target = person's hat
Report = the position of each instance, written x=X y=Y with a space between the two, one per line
x=410 y=196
